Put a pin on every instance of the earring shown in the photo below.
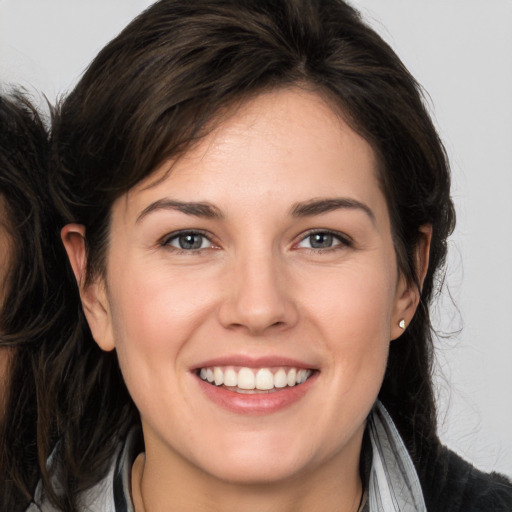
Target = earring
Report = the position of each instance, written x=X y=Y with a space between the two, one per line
x=401 y=324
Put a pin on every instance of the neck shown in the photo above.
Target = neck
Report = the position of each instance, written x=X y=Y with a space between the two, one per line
x=332 y=487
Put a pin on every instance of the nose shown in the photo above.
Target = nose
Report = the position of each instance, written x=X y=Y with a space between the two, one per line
x=258 y=297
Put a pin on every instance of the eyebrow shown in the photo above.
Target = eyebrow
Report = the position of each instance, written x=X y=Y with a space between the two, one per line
x=197 y=209
x=319 y=206
x=302 y=209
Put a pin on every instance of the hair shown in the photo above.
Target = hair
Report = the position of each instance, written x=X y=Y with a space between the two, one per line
x=33 y=296
x=156 y=89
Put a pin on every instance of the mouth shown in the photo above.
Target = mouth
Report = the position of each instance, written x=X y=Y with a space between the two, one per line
x=245 y=380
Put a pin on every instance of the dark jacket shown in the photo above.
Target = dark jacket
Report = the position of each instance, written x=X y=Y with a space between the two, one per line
x=450 y=484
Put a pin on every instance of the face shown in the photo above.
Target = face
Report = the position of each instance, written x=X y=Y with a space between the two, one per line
x=252 y=293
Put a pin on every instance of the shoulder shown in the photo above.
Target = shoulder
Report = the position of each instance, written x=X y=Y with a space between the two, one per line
x=451 y=484
x=111 y=493
x=98 y=498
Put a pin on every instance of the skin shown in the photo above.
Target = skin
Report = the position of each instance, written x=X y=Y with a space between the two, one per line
x=255 y=288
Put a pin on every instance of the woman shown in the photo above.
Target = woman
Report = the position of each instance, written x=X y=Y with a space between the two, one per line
x=31 y=299
x=257 y=206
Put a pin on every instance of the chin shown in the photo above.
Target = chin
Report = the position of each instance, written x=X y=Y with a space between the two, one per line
x=263 y=471
x=258 y=459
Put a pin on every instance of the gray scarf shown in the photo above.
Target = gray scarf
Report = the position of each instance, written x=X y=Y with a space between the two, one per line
x=393 y=484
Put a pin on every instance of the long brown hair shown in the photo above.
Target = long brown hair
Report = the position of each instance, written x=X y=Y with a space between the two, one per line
x=154 y=90
x=35 y=296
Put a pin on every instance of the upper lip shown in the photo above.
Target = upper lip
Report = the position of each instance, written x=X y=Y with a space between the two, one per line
x=253 y=362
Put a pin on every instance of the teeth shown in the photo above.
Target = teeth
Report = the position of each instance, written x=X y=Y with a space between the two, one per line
x=230 y=377
x=218 y=376
x=301 y=376
x=280 y=379
x=247 y=379
x=292 y=377
x=264 y=379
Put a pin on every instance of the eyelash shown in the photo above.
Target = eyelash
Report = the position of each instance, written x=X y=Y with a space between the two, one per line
x=342 y=239
x=166 y=241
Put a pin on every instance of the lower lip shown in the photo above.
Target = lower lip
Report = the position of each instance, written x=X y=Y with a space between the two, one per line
x=258 y=403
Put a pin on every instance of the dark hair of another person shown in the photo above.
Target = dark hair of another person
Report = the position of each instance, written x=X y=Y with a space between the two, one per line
x=160 y=86
x=33 y=297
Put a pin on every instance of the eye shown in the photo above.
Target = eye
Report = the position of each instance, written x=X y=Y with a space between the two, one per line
x=319 y=240
x=188 y=241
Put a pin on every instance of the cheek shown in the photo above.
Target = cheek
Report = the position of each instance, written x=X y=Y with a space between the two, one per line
x=353 y=313
x=149 y=325
x=358 y=299
x=155 y=304
x=154 y=314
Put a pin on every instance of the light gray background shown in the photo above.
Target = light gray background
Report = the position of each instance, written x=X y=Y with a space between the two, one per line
x=461 y=52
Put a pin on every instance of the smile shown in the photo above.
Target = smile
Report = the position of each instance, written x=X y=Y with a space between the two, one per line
x=254 y=380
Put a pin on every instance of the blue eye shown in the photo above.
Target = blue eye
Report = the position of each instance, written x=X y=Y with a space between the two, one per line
x=188 y=241
x=322 y=240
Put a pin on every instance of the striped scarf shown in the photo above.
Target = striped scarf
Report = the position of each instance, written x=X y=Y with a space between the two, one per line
x=393 y=483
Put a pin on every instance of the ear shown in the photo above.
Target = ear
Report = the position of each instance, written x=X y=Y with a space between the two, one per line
x=407 y=293
x=93 y=294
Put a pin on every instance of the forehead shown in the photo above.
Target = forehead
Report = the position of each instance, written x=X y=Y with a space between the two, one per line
x=276 y=144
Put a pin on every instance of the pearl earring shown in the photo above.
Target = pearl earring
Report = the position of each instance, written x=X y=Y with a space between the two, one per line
x=401 y=324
